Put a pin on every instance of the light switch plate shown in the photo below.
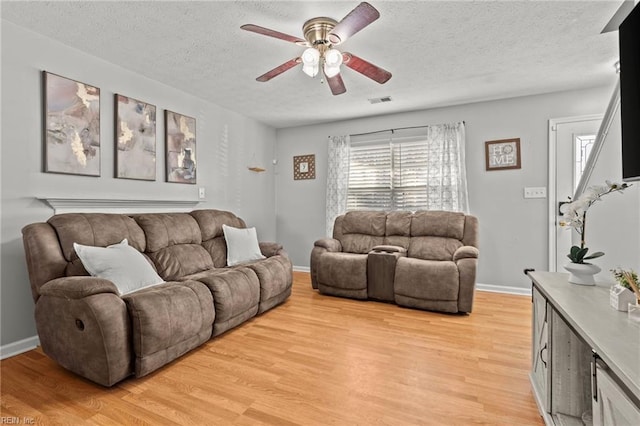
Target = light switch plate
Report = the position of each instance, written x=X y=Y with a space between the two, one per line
x=201 y=193
x=535 y=192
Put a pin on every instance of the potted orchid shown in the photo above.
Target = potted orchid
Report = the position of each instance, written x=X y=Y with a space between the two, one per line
x=574 y=215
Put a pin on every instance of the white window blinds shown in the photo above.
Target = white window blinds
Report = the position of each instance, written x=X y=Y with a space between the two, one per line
x=414 y=169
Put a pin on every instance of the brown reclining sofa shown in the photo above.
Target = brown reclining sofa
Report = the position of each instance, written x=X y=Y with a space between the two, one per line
x=87 y=327
x=425 y=260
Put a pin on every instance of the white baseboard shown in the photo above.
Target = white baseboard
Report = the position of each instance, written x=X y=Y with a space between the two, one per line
x=503 y=289
x=480 y=287
x=16 y=348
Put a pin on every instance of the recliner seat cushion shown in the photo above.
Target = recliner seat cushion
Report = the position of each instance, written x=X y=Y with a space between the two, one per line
x=168 y=321
x=236 y=295
x=427 y=284
x=275 y=276
x=343 y=274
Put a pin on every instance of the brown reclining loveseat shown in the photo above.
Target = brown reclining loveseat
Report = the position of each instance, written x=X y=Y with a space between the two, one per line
x=425 y=260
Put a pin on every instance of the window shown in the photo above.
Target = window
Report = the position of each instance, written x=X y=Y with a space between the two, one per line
x=583 y=145
x=412 y=170
x=388 y=176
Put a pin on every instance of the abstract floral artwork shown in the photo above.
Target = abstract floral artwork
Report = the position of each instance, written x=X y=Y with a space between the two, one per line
x=135 y=139
x=72 y=126
x=180 y=147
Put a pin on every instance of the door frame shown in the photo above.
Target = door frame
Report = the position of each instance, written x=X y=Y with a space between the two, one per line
x=553 y=167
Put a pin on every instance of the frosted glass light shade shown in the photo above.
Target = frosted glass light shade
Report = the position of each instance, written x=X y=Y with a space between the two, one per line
x=310 y=61
x=332 y=62
x=310 y=70
x=333 y=58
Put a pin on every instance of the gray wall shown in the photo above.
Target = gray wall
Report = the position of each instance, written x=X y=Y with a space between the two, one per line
x=613 y=224
x=513 y=231
x=227 y=143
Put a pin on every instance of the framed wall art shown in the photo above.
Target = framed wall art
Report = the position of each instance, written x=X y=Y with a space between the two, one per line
x=71 y=126
x=180 y=147
x=304 y=167
x=502 y=154
x=135 y=134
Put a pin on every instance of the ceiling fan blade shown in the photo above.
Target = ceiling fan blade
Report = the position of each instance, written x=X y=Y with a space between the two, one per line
x=279 y=70
x=365 y=68
x=357 y=19
x=273 y=33
x=336 y=84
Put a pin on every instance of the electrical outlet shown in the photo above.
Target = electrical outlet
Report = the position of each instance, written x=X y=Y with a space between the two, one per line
x=535 y=192
x=201 y=193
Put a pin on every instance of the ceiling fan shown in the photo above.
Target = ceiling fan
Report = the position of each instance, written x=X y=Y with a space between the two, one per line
x=320 y=36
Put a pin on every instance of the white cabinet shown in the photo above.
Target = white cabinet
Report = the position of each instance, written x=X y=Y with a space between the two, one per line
x=540 y=350
x=584 y=355
x=612 y=406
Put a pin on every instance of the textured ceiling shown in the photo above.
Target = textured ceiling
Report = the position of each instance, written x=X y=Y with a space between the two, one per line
x=440 y=52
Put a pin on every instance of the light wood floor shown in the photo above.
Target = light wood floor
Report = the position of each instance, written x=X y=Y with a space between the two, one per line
x=316 y=360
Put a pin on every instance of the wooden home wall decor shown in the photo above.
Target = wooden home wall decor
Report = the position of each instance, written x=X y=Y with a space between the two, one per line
x=304 y=167
x=503 y=154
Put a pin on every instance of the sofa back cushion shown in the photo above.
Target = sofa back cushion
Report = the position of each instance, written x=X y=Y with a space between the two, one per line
x=93 y=229
x=438 y=224
x=210 y=222
x=398 y=231
x=360 y=231
x=435 y=235
x=173 y=242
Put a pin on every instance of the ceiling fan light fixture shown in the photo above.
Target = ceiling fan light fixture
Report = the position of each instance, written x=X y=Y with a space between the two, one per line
x=311 y=62
x=332 y=62
x=310 y=70
x=320 y=35
x=310 y=57
x=333 y=58
x=330 y=71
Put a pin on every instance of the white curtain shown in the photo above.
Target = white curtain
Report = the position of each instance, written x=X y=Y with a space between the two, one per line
x=337 y=179
x=447 y=175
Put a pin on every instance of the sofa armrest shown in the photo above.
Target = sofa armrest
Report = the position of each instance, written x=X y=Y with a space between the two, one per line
x=269 y=249
x=465 y=252
x=389 y=249
x=329 y=244
x=77 y=287
x=320 y=247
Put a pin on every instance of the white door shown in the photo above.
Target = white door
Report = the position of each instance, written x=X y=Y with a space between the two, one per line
x=570 y=142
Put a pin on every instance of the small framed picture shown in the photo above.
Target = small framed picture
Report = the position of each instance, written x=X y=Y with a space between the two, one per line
x=503 y=154
x=304 y=167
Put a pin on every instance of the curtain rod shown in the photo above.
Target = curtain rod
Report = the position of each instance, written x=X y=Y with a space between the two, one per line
x=390 y=130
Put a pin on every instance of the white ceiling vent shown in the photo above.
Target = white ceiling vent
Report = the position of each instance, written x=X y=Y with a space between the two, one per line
x=380 y=100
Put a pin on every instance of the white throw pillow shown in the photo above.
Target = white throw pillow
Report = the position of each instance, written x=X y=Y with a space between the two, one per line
x=121 y=264
x=242 y=245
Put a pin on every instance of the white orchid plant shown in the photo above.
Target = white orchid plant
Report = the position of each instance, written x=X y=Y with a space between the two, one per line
x=574 y=215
